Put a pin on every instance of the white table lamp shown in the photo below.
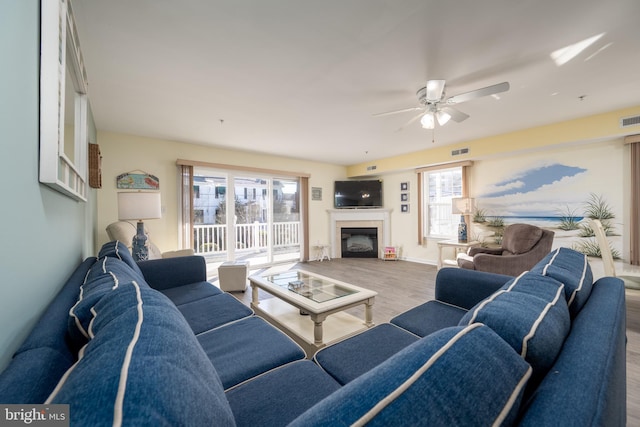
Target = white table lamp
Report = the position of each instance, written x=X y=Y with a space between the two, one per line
x=462 y=206
x=139 y=205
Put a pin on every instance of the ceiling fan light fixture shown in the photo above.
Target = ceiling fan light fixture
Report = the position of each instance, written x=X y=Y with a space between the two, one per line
x=428 y=121
x=443 y=117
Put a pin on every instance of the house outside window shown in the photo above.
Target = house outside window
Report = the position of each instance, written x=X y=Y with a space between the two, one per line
x=439 y=187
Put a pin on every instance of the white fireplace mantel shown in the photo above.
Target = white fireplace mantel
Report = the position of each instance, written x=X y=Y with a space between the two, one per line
x=339 y=218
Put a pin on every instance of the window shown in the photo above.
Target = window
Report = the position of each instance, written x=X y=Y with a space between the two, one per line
x=439 y=187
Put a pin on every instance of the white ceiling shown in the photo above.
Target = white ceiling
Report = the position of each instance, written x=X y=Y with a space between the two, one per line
x=303 y=78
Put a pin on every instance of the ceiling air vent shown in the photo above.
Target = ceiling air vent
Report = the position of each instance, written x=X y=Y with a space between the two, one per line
x=629 y=121
x=459 y=151
x=372 y=168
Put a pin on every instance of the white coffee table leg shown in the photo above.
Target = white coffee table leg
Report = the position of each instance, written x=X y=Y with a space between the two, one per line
x=317 y=328
x=368 y=312
x=255 y=300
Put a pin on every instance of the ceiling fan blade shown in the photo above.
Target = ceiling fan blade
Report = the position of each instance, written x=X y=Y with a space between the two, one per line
x=456 y=115
x=478 y=93
x=435 y=89
x=404 y=110
x=410 y=121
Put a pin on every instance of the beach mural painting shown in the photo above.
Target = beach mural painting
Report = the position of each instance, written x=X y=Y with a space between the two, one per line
x=554 y=196
x=538 y=196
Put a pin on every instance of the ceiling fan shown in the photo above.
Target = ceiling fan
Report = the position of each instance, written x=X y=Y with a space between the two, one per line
x=435 y=106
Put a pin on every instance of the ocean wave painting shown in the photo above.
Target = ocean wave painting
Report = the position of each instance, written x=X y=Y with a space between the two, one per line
x=541 y=194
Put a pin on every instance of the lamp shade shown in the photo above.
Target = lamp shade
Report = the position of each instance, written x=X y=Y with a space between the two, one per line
x=462 y=205
x=139 y=205
x=428 y=121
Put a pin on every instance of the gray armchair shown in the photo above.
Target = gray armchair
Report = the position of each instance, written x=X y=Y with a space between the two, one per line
x=523 y=245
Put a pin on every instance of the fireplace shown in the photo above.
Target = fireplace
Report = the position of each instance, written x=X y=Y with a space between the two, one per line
x=358 y=219
x=359 y=242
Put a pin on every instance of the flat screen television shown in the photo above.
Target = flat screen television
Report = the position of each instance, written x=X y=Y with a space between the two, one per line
x=358 y=194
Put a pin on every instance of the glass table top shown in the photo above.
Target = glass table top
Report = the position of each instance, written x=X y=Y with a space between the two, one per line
x=312 y=287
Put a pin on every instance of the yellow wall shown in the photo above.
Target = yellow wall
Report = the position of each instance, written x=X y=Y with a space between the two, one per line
x=126 y=153
x=585 y=129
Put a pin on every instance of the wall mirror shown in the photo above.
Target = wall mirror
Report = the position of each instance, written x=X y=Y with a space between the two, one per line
x=64 y=107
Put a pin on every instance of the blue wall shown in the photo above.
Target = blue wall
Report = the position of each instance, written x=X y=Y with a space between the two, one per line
x=45 y=234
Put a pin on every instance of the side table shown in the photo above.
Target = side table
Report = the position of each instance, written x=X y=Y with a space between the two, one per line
x=453 y=244
x=322 y=252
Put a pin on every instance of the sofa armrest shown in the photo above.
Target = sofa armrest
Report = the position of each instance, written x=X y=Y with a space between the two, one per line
x=466 y=288
x=171 y=272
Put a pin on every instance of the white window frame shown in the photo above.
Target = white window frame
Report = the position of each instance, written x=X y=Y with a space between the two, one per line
x=436 y=201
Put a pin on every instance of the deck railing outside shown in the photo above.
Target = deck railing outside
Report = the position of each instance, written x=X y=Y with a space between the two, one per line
x=212 y=238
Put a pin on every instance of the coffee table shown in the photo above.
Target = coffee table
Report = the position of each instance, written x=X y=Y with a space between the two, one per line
x=303 y=303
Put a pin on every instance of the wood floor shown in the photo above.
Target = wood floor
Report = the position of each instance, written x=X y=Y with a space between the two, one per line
x=402 y=285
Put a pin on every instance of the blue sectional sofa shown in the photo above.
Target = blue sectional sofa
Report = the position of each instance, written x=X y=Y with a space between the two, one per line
x=153 y=343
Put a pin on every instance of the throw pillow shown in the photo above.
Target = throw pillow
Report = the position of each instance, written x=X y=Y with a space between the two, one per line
x=442 y=379
x=117 y=249
x=143 y=366
x=105 y=275
x=530 y=314
x=573 y=270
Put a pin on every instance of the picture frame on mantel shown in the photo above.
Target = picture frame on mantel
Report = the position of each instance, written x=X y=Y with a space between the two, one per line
x=64 y=105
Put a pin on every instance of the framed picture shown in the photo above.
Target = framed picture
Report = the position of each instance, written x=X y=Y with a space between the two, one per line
x=404 y=208
x=316 y=193
x=404 y=186
x=138 y=180
x=404 y=197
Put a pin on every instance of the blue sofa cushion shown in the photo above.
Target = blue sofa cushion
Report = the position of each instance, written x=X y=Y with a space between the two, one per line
x=32 y=375
x=117 y=249
x=51 y=329
x=530 y=313
x=429 y=317
x=246 y=348
x=143 y=366
x=587 y=386
x=191 y=292
x=350 y=358
x=456 y=376
x=280 y=395
x=209 y=313
x=105 y=275
x=573 y=270
x=167 y=273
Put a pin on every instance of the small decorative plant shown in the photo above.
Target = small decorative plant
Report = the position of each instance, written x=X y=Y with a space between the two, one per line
x=479 y=215
x=568 y=220
x=592 y=249
x=597 y=208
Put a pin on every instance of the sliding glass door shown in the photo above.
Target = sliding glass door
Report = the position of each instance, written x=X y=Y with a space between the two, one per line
x=240 y=216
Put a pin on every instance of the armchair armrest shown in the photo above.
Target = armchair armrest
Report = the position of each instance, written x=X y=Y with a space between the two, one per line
x=178 y=253
x=506 y=264
x=168 y=273
x=479 y=250
x=466 y=288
